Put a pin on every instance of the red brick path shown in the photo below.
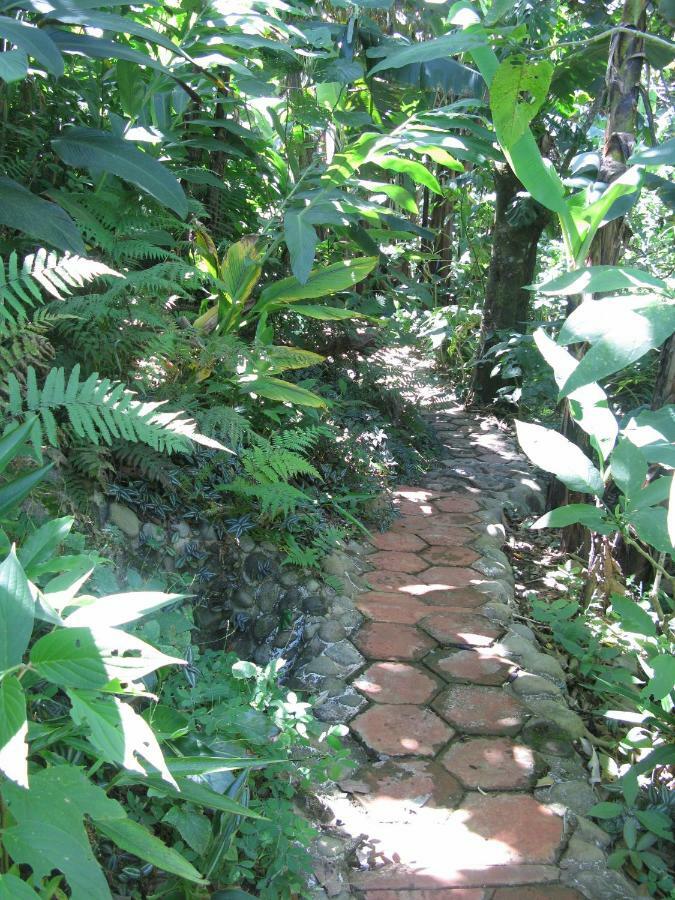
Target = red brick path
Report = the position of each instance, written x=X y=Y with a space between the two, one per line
x=446 y=801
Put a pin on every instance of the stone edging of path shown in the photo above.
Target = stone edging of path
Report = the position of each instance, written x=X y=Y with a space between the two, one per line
x=470 y=786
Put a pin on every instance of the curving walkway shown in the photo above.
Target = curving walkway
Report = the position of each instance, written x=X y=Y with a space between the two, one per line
x=466 y=736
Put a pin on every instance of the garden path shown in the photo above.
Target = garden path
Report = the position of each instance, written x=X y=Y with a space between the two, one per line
x=470 y=782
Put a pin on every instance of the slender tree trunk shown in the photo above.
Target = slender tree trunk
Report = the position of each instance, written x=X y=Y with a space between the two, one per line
x=512 y=266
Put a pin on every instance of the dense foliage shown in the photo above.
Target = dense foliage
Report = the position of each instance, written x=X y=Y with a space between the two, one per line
x=216 y=221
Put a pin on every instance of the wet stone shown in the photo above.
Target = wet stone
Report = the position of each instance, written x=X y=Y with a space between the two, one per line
x=396 y=789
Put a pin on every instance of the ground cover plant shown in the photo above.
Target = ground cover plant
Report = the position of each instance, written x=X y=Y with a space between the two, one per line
x=215 y=223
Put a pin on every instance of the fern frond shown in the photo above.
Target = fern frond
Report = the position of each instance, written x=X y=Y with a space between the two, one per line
x=225 y=423
x=268 y=465
x=145 y=461
x=41 y=274
x=91 y=461
x=275 y=499
x=99 y=409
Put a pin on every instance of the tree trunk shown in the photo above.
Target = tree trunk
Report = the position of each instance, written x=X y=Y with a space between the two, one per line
x=512 y=266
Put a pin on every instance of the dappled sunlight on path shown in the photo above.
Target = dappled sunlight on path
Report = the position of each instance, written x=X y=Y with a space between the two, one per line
x=444 y=801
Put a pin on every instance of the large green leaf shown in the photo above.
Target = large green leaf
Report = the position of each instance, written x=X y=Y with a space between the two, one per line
x=50 y=834
x=132 y=837
x=91 y=657
x=621 y=331
x=119 y=609
x=517 y=93
x=194 y=792
x=13 y=441
x=588 y=405
x=38 y=218
x=653 y=431
x=12 y=888
x=651 y=526
x=118 y=732
x=629 y=468
x=13 y=67
x=13 y=492
x=43 y=542
x=660 y=155
x=13 y=731
x=100 y=151
x=633 y=617
x=438 y=48
x=327 y=313
x=101 y=48
x=34 y=42
x=17 y=612
x=575 y=513
x=662 y=682
x=600 y=279
x=301 y=239
x=554 y=453
x=282 y=391
x=322 y=282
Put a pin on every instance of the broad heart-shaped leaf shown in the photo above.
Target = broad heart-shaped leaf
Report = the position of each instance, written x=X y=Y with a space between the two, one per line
x=573 y=513
x=517 y=93
x=661 y=155
x=193 y=827
x=438 y=48
x=632 y=327
x=282 y=391
x=13 y=731
x=34 y=42
x=589 y=406
x=46 y=222
x=13 y=67
x=12 y=888
x=118 y=732
x=91 y=657
x=301 y=239
x=17 y=612
x=100 y=151
x=554 y=453
x=119 y=609
x=50 y=833
x=633 y=617
x=322 y=282
x=600 y=279
x=629 y=468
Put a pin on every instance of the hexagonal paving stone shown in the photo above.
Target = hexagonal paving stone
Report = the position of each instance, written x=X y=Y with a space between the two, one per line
x=398 y=562
x=480 y=710
x=439 y=536
x=395 y=682
x=518 y=827
x=399 y=543
x=440 y=520
x=537 y=892
x=398 y=787
x=380 y=580
x=492 y=764
x=402 y=730
x=457 y=503
x=450 y=556
x=480 y=666
x=452 y=598
x=416 y=494
x=413 y=508
x=461 y=627
x=449 y=577
x=385 y=640
x=389 y=607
